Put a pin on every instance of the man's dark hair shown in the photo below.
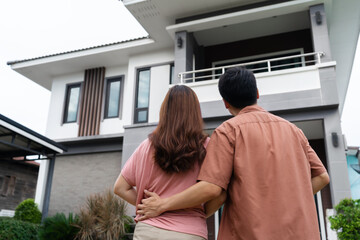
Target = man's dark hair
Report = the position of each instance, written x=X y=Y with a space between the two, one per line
x=238 y=87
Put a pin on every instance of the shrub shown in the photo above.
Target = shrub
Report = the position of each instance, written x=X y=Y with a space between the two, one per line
x=59 y=227
x=28 y=211
x=103 y=217
x=12 y=229
x=346 y=222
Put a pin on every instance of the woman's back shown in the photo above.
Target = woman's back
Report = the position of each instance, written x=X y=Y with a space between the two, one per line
x=141 y=171
x=167 y=163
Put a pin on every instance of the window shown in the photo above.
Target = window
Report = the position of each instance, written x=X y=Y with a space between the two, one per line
x=7 y=185
x=114 y=88
x=172 y=72
x=142 y=95
x=72 y=99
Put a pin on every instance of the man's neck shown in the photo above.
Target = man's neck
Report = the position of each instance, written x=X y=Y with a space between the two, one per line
x=235 y=111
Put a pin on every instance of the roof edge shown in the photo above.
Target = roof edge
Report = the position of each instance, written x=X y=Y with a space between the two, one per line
x=31 y=132
x=77 y=50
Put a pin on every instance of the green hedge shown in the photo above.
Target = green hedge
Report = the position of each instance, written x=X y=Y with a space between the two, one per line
x=346 y=222
x=59 y=227
x=12 y=229
x=28 y=211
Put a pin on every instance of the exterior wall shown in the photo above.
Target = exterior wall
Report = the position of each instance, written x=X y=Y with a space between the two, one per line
x=25 y=183
x=336 y=159
x=344 y=23
x=55 y=128
x=155 y=59
x=159 y=86
x=78 y=176
x=160 y=76
x=115 y=125
x=307 y=87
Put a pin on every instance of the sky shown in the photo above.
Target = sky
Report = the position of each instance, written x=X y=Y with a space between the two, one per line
x=41 y=27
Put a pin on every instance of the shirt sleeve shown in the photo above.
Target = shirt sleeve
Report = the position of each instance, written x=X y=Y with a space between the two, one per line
x=217 y=167
x=316 y=166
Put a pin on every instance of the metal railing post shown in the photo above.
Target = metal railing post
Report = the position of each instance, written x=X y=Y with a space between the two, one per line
x=269 y=66
x=319 y=57
x=181 y=78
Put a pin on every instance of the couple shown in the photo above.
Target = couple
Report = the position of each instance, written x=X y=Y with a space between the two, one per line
x=260 y=165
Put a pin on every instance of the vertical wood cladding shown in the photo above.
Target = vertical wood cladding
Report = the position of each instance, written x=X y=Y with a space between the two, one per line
x=91 y=102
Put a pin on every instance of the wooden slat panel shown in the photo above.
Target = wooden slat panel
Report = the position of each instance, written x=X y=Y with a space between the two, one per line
x=92 y=102
x=82 y=105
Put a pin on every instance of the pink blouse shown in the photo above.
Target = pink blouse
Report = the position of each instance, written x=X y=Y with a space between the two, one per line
x=142 y=172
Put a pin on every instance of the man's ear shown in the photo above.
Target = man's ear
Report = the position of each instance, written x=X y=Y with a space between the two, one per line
x=227 y=105
x=257 y=90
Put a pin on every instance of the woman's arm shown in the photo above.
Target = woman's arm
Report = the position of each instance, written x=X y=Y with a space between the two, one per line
x=125 y=191
x=213 y=205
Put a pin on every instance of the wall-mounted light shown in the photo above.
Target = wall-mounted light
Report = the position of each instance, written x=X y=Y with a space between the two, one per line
x=335 y=139
x=179 y=42
x=318 y=17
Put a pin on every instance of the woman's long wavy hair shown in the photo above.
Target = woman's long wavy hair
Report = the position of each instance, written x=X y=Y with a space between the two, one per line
x=179 y=139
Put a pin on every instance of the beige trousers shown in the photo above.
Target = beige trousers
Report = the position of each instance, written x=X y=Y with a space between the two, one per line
x=145 y=231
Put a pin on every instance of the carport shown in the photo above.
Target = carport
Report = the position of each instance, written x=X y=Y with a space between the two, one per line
x=20 y=142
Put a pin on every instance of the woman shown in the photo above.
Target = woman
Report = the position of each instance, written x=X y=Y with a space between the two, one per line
x=167 y=163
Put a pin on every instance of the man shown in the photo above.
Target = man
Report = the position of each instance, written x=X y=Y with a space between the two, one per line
x=263 y=162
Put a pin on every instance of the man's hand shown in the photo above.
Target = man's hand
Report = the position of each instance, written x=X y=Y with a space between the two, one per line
x=193 y=196
x=151 y=206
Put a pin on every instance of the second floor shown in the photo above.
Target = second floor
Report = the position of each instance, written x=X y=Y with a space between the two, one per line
x=104 y=100
x=102 y=90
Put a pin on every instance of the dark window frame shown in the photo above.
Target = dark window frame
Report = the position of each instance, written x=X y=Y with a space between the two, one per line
x=67 y=98
x=136 y=108
x=172 y=73
x=8 y=186
x=107 y=96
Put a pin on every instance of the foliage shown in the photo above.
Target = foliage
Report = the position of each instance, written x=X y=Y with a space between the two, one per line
x=12 y=229
x=346 y=222
x=59 y=227
x=103 y=217
x=28 y=211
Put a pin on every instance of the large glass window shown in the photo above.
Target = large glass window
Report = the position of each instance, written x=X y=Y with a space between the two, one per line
x=72 y=102
x=142 y=95
x=113 y=97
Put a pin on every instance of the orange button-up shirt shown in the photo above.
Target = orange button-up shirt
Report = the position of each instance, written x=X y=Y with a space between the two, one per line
x=266 y=164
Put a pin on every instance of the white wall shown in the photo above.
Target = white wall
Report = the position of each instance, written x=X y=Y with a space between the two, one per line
x=278 y=82
x=159 y=86
x=154 y=60
x=115 y=125
x=55 y=128
x=291 y=80
x=160 y=73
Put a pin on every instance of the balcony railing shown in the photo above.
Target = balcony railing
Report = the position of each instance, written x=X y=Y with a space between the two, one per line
x=268 y=65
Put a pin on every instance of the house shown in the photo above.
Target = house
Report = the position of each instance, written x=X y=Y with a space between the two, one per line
x=105 y=100
x=353 y=165
x=19 y=148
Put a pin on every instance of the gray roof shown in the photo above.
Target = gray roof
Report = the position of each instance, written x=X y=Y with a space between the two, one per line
x=78 y=50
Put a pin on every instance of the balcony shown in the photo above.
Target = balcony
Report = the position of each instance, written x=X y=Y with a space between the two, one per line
x=295 y=73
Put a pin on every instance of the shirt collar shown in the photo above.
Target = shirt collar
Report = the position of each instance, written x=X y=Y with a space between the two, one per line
x=251 y=108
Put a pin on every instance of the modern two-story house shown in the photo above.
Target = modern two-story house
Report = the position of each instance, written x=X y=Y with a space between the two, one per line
x=105 y=100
